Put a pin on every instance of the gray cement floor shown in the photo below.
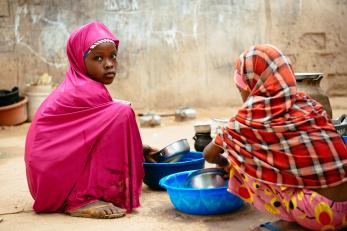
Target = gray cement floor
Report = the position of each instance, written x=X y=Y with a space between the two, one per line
x=156 y=212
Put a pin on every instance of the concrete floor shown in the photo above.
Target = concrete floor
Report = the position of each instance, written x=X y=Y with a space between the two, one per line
x=156 y=212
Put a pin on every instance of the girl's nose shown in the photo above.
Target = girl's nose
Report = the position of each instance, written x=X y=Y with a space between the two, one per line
x=109 y=64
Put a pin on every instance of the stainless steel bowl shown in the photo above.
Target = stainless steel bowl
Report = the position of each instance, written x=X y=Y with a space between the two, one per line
x=304 y=75
x=173 y=152
x=206 y=178
x=202 y=127
x=341 y=124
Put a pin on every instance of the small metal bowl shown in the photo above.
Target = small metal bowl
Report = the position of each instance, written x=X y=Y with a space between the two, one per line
x=302 y=76
x=341 y=124
x=202 y=128
x=206 y=178
x=173 y=152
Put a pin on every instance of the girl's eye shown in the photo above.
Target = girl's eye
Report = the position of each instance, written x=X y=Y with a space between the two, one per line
x=97 y=58
x=114 y=56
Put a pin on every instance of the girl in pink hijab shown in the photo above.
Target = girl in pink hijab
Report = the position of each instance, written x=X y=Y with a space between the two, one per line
x=84 y=154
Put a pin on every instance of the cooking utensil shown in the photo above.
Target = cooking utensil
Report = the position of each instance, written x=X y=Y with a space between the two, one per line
x=183 y=113
x=9 y=97
x=153 y=119
x=309 y=83
x=341 y=124
x=301 y=76
x=206 y=178
x=172 y=152
x=202 y=127
x=201 y=141
x=149 y=119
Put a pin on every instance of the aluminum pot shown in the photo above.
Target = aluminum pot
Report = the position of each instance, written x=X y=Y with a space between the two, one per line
x=206 y=178
x=172 y=152
x=184 y=113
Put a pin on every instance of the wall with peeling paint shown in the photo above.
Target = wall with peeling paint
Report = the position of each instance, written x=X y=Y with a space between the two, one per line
x=175 y=52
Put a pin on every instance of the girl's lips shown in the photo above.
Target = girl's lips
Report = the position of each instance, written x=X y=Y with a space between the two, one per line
x=110 y=75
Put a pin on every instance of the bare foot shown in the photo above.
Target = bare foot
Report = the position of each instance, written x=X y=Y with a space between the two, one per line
x=282 y=226
x=98 y=209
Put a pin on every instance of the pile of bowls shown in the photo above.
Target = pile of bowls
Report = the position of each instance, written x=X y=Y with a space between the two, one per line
x=155 y=171
x=190 y=192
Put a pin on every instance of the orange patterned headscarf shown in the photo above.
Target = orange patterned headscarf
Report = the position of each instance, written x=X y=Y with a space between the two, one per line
x=280 y=136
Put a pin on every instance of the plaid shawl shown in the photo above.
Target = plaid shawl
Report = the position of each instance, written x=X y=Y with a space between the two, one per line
x=280 y=136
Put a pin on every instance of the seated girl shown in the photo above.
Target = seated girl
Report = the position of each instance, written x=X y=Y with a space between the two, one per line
x=83 y=151
x=284 y=155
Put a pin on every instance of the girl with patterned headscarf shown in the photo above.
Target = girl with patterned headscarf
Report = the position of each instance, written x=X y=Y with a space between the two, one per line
x=283 y=153
x=84 y=154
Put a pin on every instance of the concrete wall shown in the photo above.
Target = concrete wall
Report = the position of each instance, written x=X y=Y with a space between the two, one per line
x=176 y=52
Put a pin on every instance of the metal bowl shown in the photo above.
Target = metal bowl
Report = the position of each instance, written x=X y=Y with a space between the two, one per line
x=206 y=178
x=173 y=152
x=341 y=124
x=304 y=75
x=202 y=127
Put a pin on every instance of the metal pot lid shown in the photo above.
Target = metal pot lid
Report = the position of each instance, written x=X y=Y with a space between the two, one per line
x=307 y=75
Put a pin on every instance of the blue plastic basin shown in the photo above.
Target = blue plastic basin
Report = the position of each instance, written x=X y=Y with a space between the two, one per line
x=199 y=201
x=155 y=171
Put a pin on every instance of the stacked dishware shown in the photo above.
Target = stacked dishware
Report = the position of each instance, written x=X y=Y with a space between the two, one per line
x=175 y=157
x=201 y=192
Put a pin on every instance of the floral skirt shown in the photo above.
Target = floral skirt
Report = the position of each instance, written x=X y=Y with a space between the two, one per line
x=303 y=206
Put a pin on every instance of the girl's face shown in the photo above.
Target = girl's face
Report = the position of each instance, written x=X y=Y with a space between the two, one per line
x=101 y=63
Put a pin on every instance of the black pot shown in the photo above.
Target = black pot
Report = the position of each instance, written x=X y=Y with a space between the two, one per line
x=9 y=97
x=201 y=141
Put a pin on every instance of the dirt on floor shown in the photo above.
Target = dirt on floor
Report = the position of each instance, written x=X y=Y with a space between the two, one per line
x=156 y=211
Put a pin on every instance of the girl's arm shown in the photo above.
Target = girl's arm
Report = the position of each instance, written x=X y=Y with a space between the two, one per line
x=212 y=154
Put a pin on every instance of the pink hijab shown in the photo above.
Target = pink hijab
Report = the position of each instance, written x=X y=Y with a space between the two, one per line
x=82 y=146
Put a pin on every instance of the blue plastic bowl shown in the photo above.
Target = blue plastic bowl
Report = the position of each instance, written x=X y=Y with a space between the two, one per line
x=199 y=201
x=155 y=171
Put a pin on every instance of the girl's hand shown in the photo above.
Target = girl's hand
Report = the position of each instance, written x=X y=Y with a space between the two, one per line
x=148 y=151
x=224 y=164
x=212 y=154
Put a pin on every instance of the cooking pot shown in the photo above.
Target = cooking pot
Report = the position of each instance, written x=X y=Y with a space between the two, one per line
x=309 y=83
x=149 y=119
x=153 y=119
x=201 y=141
x=9 y=97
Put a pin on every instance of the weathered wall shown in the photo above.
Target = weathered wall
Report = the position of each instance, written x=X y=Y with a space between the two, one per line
x=176 y=52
